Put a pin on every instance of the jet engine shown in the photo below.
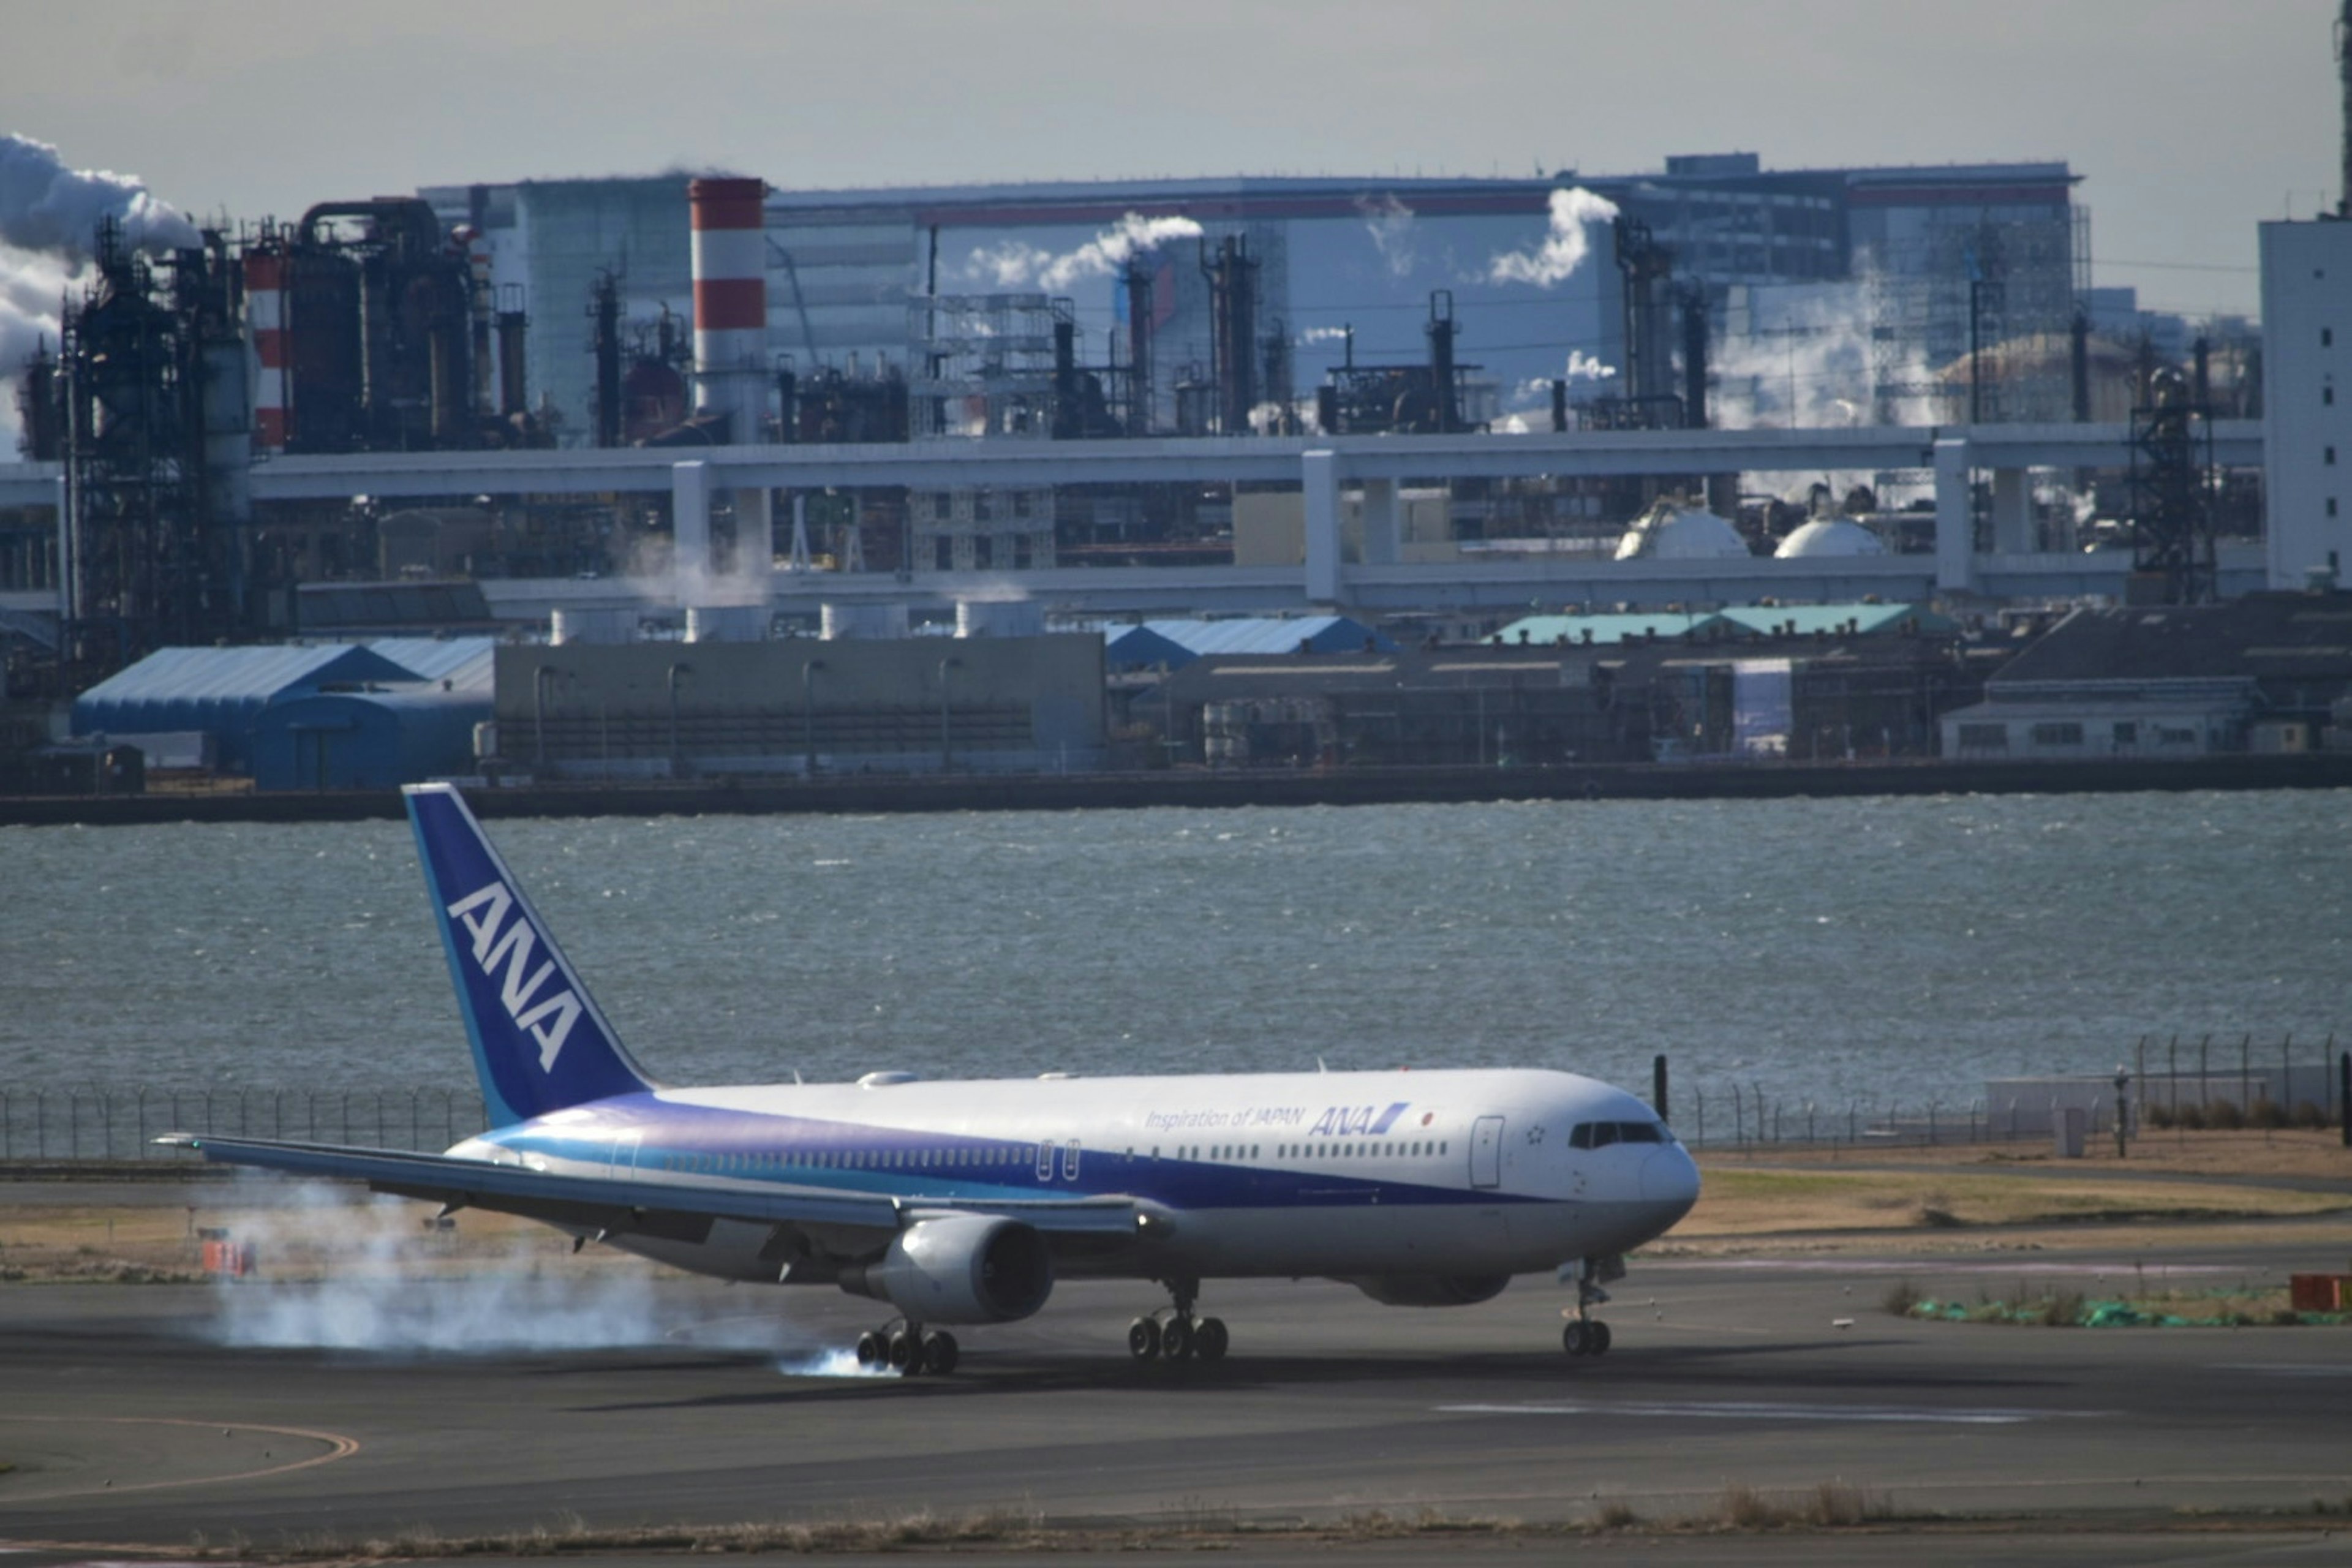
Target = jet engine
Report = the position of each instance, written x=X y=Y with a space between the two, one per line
x=1430 y=1289
x=959 y=1268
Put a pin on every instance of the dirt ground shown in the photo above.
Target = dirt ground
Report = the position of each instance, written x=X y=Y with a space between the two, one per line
x=2171 y=1190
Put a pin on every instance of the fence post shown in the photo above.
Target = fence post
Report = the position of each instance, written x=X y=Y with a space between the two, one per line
x=1739 y=1118
x=1759 y=1111
x=1699 y=1101
x=40 y=1124
x=7 y=1131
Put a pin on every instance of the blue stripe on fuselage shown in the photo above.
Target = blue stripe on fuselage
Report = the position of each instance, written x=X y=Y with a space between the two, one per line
x=674 y=1138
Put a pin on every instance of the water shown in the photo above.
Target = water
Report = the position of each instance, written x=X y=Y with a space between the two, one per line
x=1833 y=951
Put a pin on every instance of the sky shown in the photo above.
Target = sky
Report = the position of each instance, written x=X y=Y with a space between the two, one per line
x=2191 y=120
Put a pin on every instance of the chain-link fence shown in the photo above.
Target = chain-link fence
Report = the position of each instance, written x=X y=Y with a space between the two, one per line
x=99 y=1123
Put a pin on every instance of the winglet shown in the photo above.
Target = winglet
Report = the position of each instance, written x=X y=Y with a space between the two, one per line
x=540 y=1042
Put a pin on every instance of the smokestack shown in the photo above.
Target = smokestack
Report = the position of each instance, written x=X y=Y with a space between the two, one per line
x=730 y=302
x=265 y=321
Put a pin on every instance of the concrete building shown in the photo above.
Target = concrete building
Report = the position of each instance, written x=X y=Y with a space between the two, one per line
x=2258 y=673
x=662 y=710
x=2307 y=398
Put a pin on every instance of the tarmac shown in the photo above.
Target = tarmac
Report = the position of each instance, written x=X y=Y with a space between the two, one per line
x=136 y=1427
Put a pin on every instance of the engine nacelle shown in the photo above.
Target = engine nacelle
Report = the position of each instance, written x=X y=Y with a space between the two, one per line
x=1430 y=1289
x=960 y=1268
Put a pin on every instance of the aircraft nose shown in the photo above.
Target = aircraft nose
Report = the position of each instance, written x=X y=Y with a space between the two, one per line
x=1671 y=1176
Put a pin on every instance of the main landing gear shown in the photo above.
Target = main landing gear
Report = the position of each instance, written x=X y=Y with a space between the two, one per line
x=1173 y=1333
x=907 y=1349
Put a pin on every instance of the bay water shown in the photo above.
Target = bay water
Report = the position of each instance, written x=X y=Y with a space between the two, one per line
x=1847 y=952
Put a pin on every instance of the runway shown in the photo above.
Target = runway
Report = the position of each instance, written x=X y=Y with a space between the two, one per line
x=129 y=1421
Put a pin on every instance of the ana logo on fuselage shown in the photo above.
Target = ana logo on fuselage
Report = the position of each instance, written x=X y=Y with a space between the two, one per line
x=499 y=941
x=1347 y=1121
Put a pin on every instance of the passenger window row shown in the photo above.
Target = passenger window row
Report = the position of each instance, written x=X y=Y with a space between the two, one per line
x=1389 y=1148
x=1014 y=1155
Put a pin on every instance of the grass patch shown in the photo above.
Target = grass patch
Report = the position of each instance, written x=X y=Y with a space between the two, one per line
x=1830 y=1505
x=2055 y=1307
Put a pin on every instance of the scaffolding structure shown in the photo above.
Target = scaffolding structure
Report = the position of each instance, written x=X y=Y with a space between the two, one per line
x=985 y=365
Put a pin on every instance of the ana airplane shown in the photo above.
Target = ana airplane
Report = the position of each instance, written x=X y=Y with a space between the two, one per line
x=962 y=1203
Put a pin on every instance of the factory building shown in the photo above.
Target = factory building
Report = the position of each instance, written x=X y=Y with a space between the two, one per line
x=300 y=716
x=1198 y=306
x=2307 y=398
x=2266 y=672
x=642 y=709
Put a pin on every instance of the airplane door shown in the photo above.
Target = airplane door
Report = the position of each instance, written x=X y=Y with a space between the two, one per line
x=624 y=1160
x=1487 y=1152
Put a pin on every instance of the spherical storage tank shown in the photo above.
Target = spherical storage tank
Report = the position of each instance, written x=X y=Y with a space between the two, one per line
x=1670 y=533
x=1829 y=536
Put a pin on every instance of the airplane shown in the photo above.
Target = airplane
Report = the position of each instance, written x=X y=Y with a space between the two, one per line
x=963 y=1203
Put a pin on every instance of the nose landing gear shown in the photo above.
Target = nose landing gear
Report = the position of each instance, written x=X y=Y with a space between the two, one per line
x=1585 y=1334
x=1174 y=1334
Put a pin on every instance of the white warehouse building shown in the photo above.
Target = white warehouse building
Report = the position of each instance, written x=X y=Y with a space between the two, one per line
x=2308 y=397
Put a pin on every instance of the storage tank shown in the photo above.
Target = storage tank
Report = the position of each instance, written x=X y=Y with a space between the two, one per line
x=1671 y=531
x=844 y=623
x=1829 y=536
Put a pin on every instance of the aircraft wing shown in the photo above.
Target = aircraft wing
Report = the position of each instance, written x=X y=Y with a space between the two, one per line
x=619 y=1204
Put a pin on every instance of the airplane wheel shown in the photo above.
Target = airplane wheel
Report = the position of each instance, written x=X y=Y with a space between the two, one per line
x=1600 y=1338
x=940 y=1353
x=1143 y=1339
x=872 y=1349
x=1209 y=1339
x=1176 y=1339
x=906 y=1354
x=1576 y=1338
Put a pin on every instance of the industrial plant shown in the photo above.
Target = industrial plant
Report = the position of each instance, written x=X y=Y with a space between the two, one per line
x=920 y=459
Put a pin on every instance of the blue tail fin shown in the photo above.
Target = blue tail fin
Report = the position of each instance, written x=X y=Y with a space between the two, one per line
x=540 y=1043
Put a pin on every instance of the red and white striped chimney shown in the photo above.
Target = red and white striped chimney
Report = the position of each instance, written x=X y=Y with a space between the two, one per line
x=730 y=302
x=265 y=322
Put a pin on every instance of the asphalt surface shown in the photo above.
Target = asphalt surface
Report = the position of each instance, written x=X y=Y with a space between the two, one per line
x=131 y=1422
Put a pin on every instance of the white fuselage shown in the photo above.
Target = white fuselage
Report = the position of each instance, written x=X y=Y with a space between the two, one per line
x=1450 y=1173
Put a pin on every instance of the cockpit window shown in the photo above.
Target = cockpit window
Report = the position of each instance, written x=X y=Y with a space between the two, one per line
x=1600 y=1134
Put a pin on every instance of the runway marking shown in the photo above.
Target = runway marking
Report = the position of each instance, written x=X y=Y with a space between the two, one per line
x=2285 y=1368
x=1769 y=1410
x=338 y=1448
x=1925 y=1265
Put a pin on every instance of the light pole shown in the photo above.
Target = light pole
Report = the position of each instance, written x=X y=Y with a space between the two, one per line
x=677 y=760
x=947 y=756
x=808 y=713
x=540 y=676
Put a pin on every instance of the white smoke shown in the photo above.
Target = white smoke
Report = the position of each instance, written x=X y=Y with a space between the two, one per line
x=45 y=206
x=377 y=1280
x=1565 y=247
x=49 y=217
x=1582 y=366
x=1807 y=359
x=1016 y=263
x=1390 y=223
x=1314 y=335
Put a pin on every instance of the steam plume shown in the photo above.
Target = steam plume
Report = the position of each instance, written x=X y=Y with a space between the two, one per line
x=49 y=216
x=1015 y=262
x=1390 y=223
x=45 y=206
x=1564 y=248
